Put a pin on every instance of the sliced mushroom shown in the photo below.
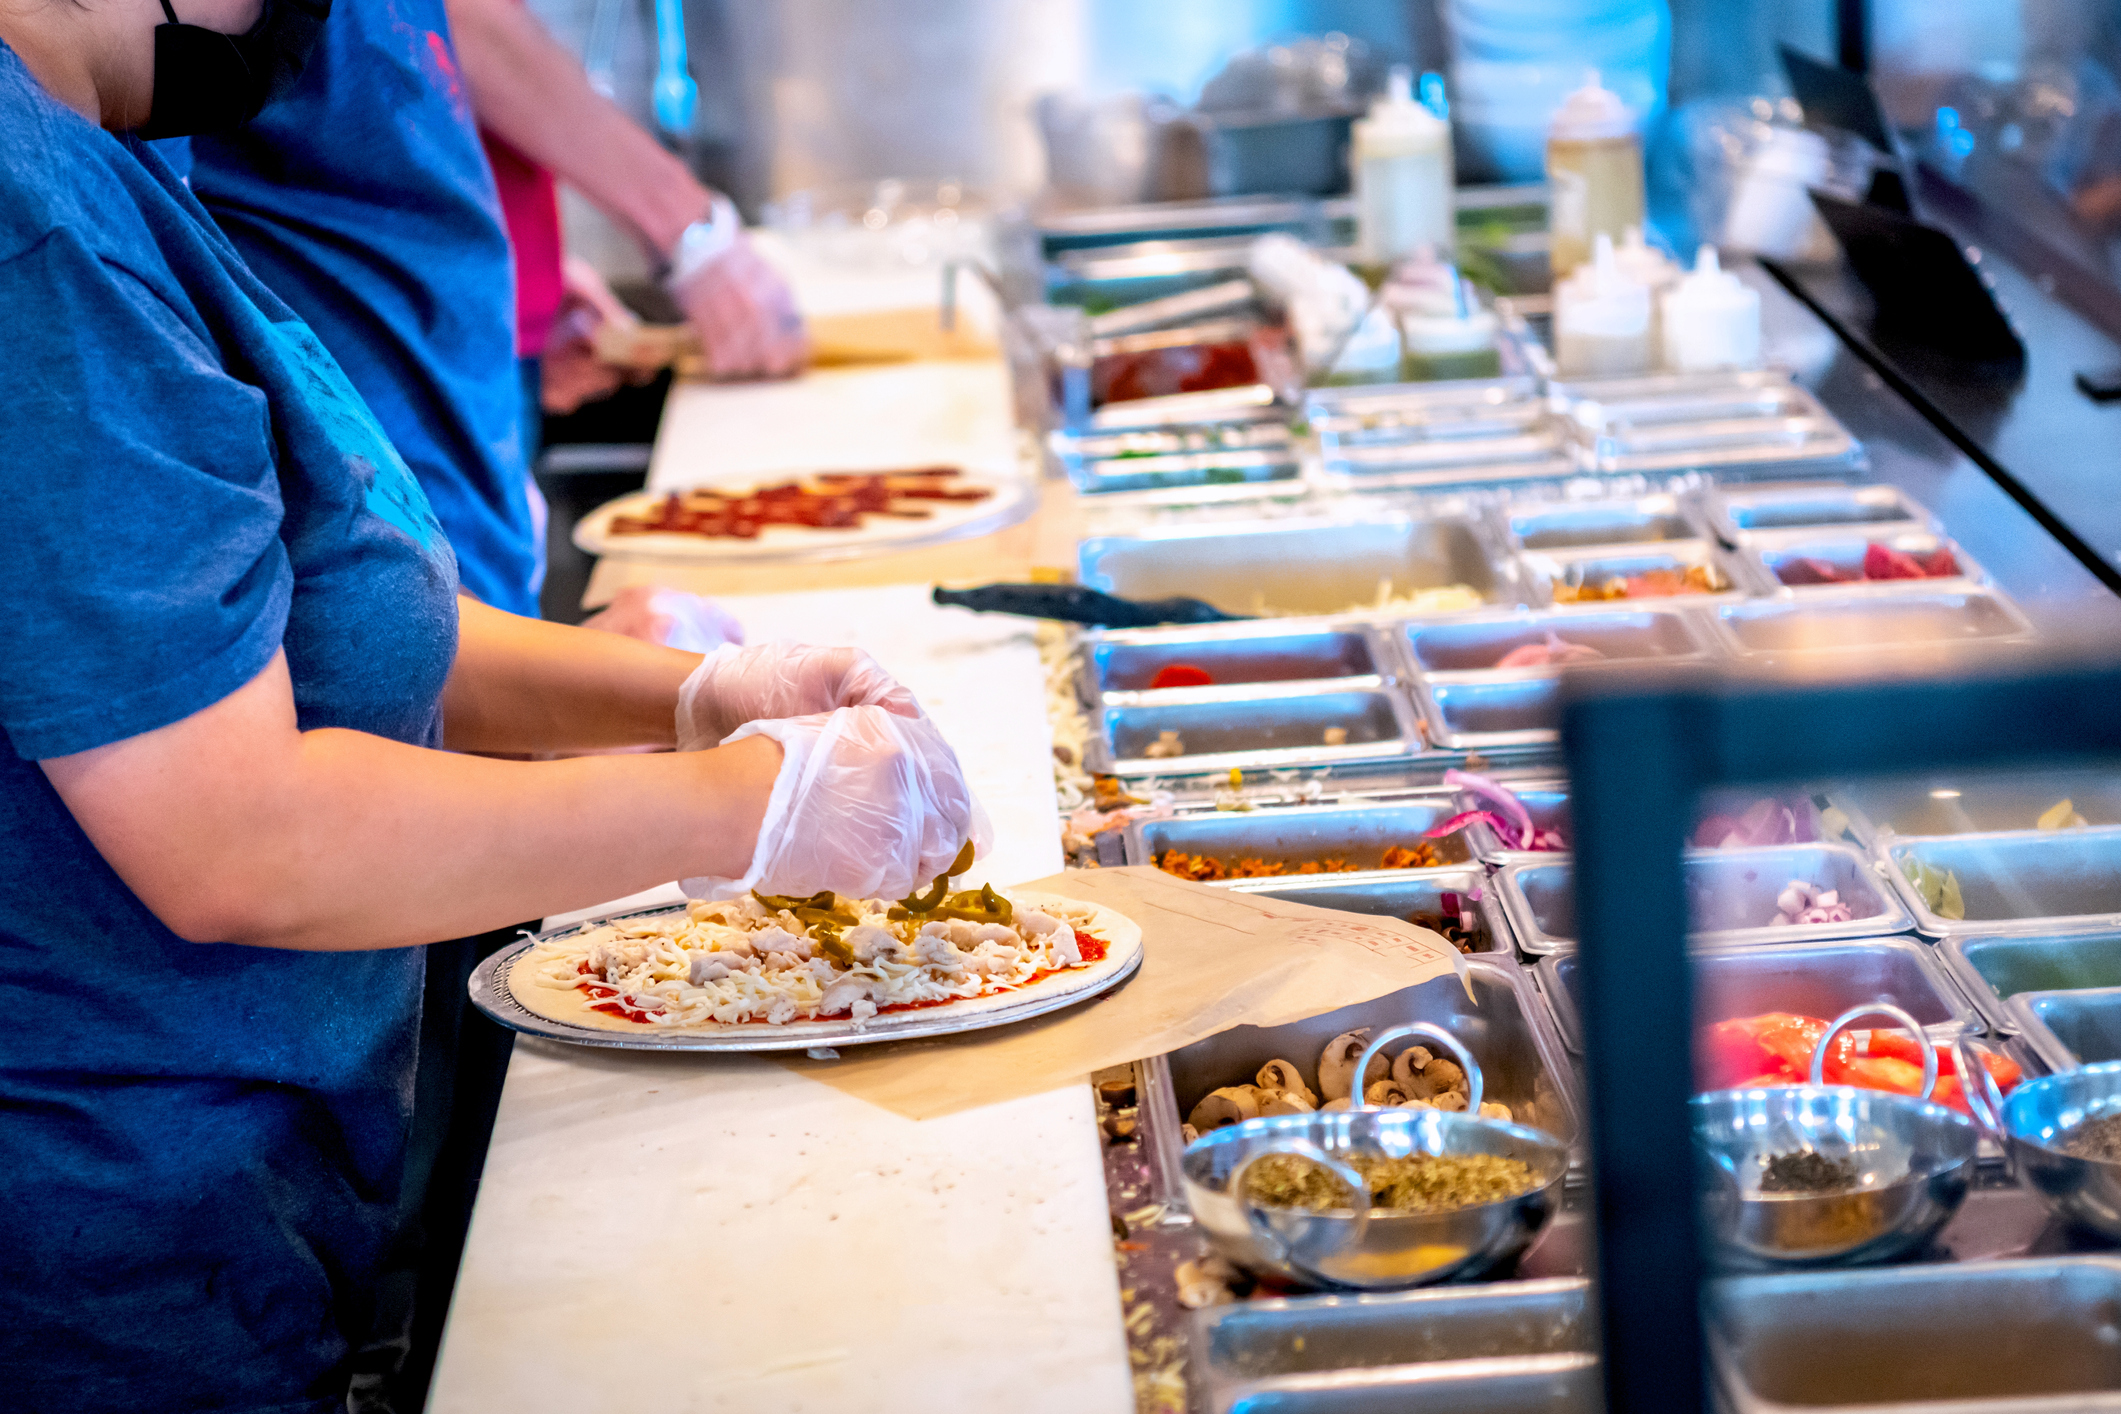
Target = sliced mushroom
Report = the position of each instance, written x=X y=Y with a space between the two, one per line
x=1384 y=1092
x=1450 y=1101
x=1232 y=1104
x=1198 y=1287
x=1336 y=1066
x=1282 y=1102
x=1494 y=1109
x=1187 y=1133
x=1334 y=1106
x=1407 y=1064
x=1284 y=1076
x=1418 y=1105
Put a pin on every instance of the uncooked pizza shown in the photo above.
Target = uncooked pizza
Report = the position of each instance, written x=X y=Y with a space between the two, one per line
x=778 y=962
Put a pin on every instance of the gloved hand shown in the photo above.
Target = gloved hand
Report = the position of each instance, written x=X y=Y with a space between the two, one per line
x=745 y=316
x=670 y=617
x=773 y=680
x=573 y=371
x=868 y=803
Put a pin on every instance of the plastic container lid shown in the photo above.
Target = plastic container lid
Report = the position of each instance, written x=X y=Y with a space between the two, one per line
x=1600 y=301
x=1397 y=122
x=1590 y=113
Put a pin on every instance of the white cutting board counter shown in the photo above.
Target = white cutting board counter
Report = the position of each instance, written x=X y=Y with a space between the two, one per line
x=666 y=1233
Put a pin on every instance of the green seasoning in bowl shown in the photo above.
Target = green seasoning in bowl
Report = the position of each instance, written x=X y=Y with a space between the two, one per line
x=2098 y=1139
x=1418 y=1183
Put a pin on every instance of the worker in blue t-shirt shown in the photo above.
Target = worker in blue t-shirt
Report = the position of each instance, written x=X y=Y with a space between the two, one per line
x=232 y=802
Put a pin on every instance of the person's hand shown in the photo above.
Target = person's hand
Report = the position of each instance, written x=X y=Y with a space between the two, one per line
x=745 y=316
x=670 y=617
x=736 y=685
x=868 y=803
x=571 y=371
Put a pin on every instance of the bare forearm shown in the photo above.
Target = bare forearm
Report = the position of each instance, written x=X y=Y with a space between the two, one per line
x=372 y=844
x=532 y=94
x=523 y=685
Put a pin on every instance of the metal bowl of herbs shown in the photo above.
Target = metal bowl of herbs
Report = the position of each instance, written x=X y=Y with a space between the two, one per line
x=1376 y=1199
x=2063 y=1135
x=1818 y=1175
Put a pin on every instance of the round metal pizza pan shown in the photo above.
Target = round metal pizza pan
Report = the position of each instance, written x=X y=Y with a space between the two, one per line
x=490 y=993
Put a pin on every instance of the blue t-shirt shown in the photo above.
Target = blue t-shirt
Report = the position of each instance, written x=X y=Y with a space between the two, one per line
x=200 y=1145
x=363 y=199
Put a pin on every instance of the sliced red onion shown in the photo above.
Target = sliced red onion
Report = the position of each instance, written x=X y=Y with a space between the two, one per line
x=1510 y=804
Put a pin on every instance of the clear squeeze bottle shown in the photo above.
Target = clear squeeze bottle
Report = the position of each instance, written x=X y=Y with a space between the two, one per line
x=1403 y=176
x=1711 y=319
x=1601 y=320
x=1594 y=173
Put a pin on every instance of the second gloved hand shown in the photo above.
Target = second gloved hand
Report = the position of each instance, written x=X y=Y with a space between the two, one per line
x=735 y=685
x=868 y=803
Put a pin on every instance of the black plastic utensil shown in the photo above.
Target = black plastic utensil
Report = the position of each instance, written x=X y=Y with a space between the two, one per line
x=1071 y=603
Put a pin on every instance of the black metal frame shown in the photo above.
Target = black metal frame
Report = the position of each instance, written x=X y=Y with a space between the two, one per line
x=1639 y=757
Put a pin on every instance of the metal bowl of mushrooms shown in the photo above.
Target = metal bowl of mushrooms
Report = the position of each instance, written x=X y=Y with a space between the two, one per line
x=1388 y=1191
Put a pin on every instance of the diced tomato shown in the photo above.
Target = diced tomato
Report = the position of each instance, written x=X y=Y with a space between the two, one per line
x=1181 y=675
x=1884 y=562
x=1742 y=1050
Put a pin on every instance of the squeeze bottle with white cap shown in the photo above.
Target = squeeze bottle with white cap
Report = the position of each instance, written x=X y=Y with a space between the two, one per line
x=1594 y=173
x=1403 y=176
x=1601 y=320
x=1711 y=319
x=1652 y=269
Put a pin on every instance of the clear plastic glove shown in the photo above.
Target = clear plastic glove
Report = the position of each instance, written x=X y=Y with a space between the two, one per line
x=868 y=803
x=572 y=370
x=745 y=316
x=670 y=617
x=771 y=680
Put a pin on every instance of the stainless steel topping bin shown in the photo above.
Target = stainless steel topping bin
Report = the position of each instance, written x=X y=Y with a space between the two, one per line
x=1501 y=1023
x=2018 y=882
x=2070 y=1029
x=1964 y=803
x=1736 y=424
x=1567 y=525
x=1620 y=631
x=1532 y=1384
x=1992 y=970
x=1476 y=710
x=1255 y=728
x=1443 y=1342
x=1910 y=621
x=2008 y=1337
x=1299 y=566
x=1773 y=556
x=1544 y=570
x=1732 y=893
x=1400 y=893
x=1809 y=979
x=1739 y=514
x=1122 y=664
x=1359 y=833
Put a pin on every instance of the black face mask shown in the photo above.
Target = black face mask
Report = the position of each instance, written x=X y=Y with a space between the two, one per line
x=206 y=81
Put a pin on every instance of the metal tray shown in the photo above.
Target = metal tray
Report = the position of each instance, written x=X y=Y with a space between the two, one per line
x=1299 y=566
x=1444 y=1342
x=1966 y=803
x=1993 y=970
x=489 y=992
x=1501 y=1022
x=1760 y=425
x=1190 y=477
x=1537 y=455
x=1120 y=664
x=1412 y=412
x=1532 y=1384
x=1731 y=891
x=1573 y=525
x=1971 y=1338
x=1473 y=711
x=1542 y=570
x=1769 y=554
x=2018 y=882
x=1359 y=832
x=1255 y=728
x=1739 y=515
x=1621 y=631
x=1913 y=621
x=1399 y=893
x=2071 y=1029
x=1810 y=979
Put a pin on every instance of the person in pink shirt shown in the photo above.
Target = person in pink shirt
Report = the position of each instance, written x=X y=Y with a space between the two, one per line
x=541 y=120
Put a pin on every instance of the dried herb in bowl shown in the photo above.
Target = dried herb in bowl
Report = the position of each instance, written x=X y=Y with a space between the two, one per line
x=1418 y=1183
